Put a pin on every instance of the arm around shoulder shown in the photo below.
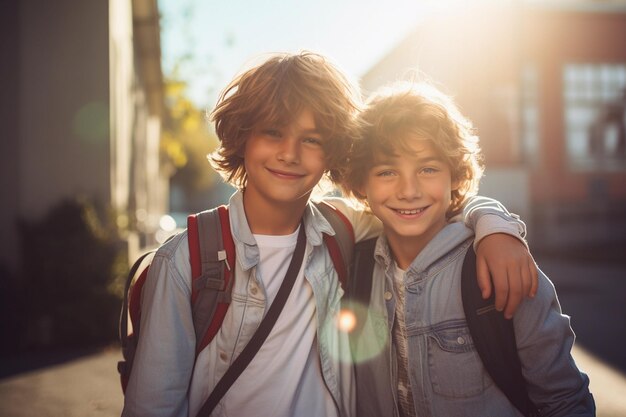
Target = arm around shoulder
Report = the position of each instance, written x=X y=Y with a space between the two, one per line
x=487 y=216
x=502 y=255
x=364 y=223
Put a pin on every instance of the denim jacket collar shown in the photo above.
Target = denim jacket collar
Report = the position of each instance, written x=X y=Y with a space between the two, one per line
x=245 y=245
x=435 y=256
x=382 y=252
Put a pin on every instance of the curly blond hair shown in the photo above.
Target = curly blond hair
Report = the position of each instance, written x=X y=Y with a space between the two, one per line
x=274 y=93
x=403 y=112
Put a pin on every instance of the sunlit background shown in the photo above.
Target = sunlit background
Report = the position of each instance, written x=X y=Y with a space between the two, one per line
x=213 y=40
x=103 y=106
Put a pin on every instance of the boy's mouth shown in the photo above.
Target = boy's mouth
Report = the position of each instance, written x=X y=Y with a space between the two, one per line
x=284 y=174
x=410 y=212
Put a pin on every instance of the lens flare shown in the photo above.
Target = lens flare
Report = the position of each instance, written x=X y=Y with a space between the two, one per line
x=346 y=320
x=91 y=122
x=363 y=332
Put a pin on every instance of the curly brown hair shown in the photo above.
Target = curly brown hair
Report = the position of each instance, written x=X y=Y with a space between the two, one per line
x=403 y=112
x=274 y=93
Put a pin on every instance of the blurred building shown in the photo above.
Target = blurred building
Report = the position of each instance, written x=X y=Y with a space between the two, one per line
x=80 y=104
x=545 y=85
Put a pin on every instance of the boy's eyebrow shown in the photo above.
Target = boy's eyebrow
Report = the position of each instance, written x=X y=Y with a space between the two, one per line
x=388 y=160
x=427 y=159
x=312 y=130
x=315 y=129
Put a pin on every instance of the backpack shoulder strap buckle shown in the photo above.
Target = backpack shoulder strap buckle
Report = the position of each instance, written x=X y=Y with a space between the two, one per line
x=212 y=255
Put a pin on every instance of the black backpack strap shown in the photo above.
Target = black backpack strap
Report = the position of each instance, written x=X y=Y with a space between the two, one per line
x=262 y=332
x=361 y=271
x=494 y=339
x=358 y=292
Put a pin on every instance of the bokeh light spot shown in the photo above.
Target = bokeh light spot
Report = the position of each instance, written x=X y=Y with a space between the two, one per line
x=91 y=122
x=346 y=320
x=167 y=223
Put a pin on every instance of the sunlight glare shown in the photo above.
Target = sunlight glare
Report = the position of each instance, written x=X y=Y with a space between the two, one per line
x=346 y=320
x=167 y=223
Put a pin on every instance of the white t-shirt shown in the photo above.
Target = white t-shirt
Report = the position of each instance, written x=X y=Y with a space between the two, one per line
x=284 y=378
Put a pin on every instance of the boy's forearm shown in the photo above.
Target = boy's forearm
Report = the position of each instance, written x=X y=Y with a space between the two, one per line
x=484 y=215
x=364 y=223
x=487 y=216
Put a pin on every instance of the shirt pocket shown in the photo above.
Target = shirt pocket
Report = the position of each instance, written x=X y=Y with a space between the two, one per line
x=455 y=368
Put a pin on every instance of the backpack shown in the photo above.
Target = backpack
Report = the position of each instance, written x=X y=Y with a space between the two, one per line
x=212 y=257
x=493 y=335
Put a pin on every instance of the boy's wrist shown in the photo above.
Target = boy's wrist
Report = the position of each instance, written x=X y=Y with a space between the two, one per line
x=489 y=224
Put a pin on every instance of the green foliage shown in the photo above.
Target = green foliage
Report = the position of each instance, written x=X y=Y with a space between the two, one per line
x=186 y=140
x=70 y=262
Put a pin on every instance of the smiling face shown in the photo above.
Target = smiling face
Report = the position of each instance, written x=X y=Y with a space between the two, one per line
x=410 y=192
x=283 y=164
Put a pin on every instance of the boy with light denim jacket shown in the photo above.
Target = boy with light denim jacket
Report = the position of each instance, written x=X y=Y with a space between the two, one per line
x=414 y=165
x=283 y=125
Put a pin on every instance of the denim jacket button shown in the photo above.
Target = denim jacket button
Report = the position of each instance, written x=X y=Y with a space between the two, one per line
x=388 y=295
x=460 y=340
x=223 y=356
x=254 y=290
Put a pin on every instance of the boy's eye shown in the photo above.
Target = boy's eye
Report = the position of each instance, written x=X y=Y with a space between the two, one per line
x=385 y=173
x=430 y=170
x=312 y=140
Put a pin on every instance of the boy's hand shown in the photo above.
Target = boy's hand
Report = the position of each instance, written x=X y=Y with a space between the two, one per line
x=506 y=260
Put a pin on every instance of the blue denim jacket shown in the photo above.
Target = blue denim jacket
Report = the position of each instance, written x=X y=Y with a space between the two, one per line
x=447 y=377
x=164 y=366
x=167 y=381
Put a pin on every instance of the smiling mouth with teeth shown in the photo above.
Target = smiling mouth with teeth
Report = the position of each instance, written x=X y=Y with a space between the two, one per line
x=414 y=211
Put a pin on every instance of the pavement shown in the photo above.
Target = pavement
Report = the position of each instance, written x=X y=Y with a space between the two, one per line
x=85 y=386
x=81 y=384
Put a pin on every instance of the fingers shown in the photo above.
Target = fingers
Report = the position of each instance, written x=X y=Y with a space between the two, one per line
x=534 y=275
x=516 y=293
x=483 y=277
x=501 y=286
x=526 y=280
x=505 y=261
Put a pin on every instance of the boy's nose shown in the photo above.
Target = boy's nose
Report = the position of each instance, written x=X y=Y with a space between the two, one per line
x=408 y=188
x=289 y=151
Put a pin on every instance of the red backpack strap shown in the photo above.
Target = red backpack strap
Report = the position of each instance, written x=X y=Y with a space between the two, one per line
x=211 y=253
x=341 y=245
x=131 y=311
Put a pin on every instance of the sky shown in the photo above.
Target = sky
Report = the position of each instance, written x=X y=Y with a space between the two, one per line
x=221 y=36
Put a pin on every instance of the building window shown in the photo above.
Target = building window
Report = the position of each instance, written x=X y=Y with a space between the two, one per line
x=595 y=116
x=530 y=115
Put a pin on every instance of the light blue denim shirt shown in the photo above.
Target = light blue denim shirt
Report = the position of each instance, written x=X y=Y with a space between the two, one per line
x=164 y=364
x=447 y=377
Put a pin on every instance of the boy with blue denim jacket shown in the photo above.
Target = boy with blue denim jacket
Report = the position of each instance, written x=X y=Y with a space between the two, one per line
x=414 y=165
x=283 y=125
